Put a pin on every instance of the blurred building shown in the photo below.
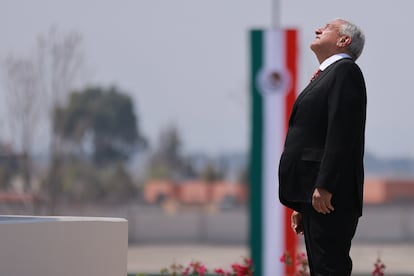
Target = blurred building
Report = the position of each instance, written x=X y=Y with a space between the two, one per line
x=383 y=190
x=195 y=192
x=377 y=190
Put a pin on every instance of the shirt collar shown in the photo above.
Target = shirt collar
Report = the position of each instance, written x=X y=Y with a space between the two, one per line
x=332 y=59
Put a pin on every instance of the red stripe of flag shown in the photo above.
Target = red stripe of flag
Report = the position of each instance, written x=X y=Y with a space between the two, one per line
x=291 y=65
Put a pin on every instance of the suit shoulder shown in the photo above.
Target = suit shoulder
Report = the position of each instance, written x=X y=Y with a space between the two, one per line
x=348 y=65
x=345 y=61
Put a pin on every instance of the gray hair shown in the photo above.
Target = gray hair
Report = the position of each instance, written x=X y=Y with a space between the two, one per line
x=357 y=38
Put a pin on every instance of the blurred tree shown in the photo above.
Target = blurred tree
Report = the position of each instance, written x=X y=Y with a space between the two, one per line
x=59 y=59
x=8 y=165
x=102 y=120
x=210 y=173
x=117 y=184
x=84 y=182
x=169 y=147
x=23 y=102
x=167 y=161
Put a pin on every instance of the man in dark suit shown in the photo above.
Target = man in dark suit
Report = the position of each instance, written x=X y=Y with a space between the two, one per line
x=321 y=169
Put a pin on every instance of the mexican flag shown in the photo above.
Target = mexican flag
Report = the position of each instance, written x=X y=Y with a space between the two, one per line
x=273 y=91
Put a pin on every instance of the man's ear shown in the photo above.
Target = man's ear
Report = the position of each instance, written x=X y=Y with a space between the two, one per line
x=344 y=41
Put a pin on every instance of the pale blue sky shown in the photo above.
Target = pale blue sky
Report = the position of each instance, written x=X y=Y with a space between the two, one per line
x=186 y=61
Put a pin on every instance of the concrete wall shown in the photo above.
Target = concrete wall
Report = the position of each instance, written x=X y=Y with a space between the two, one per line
x=380 y=223
x=153 y=224
x=387 y=223
x=64 y=246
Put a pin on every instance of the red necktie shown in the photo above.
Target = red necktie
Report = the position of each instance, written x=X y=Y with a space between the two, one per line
x=315 y=74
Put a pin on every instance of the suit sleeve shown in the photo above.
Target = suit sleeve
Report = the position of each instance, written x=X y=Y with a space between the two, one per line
x=345 y=126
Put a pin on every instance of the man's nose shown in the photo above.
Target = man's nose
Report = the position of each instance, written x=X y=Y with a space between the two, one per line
x=318 y=31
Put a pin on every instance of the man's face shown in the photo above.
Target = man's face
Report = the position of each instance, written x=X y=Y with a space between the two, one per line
x=326 y=40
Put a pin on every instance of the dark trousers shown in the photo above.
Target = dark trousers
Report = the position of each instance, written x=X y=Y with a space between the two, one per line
x=328 y=241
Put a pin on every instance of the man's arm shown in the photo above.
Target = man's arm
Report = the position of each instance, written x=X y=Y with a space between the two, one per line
x=346 y=120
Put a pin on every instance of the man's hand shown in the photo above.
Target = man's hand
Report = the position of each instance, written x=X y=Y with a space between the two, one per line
x=296 y=222
x=321 y=201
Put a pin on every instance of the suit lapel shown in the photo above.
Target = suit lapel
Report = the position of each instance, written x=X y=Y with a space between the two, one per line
x=307 y=89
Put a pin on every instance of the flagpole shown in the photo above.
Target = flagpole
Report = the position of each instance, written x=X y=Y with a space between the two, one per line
x=275 y=13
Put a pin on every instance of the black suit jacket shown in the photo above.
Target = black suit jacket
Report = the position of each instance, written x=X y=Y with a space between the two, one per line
x=324 y=145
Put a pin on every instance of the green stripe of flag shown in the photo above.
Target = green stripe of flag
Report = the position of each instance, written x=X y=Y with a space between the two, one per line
x=256 y=140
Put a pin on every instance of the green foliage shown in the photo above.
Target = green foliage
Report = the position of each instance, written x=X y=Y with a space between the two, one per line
x=85 y=182
x=5 y=176
x=158 y=170
x=8 y=166
x=210 y=173
x=167 y=161
x=103 y=117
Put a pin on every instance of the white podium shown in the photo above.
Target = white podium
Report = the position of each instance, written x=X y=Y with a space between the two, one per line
x=63 y=246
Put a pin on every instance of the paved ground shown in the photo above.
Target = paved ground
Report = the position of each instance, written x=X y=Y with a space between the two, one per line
x=399 y=258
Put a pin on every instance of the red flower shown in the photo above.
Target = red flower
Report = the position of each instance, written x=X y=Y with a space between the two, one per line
x=219 y=271
x=186 y=271
x=201 y=269
x=222 y=272
x=379 y=268
x=241 y=270
x=283 y=258
x=198 y=269
x=286 y=259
